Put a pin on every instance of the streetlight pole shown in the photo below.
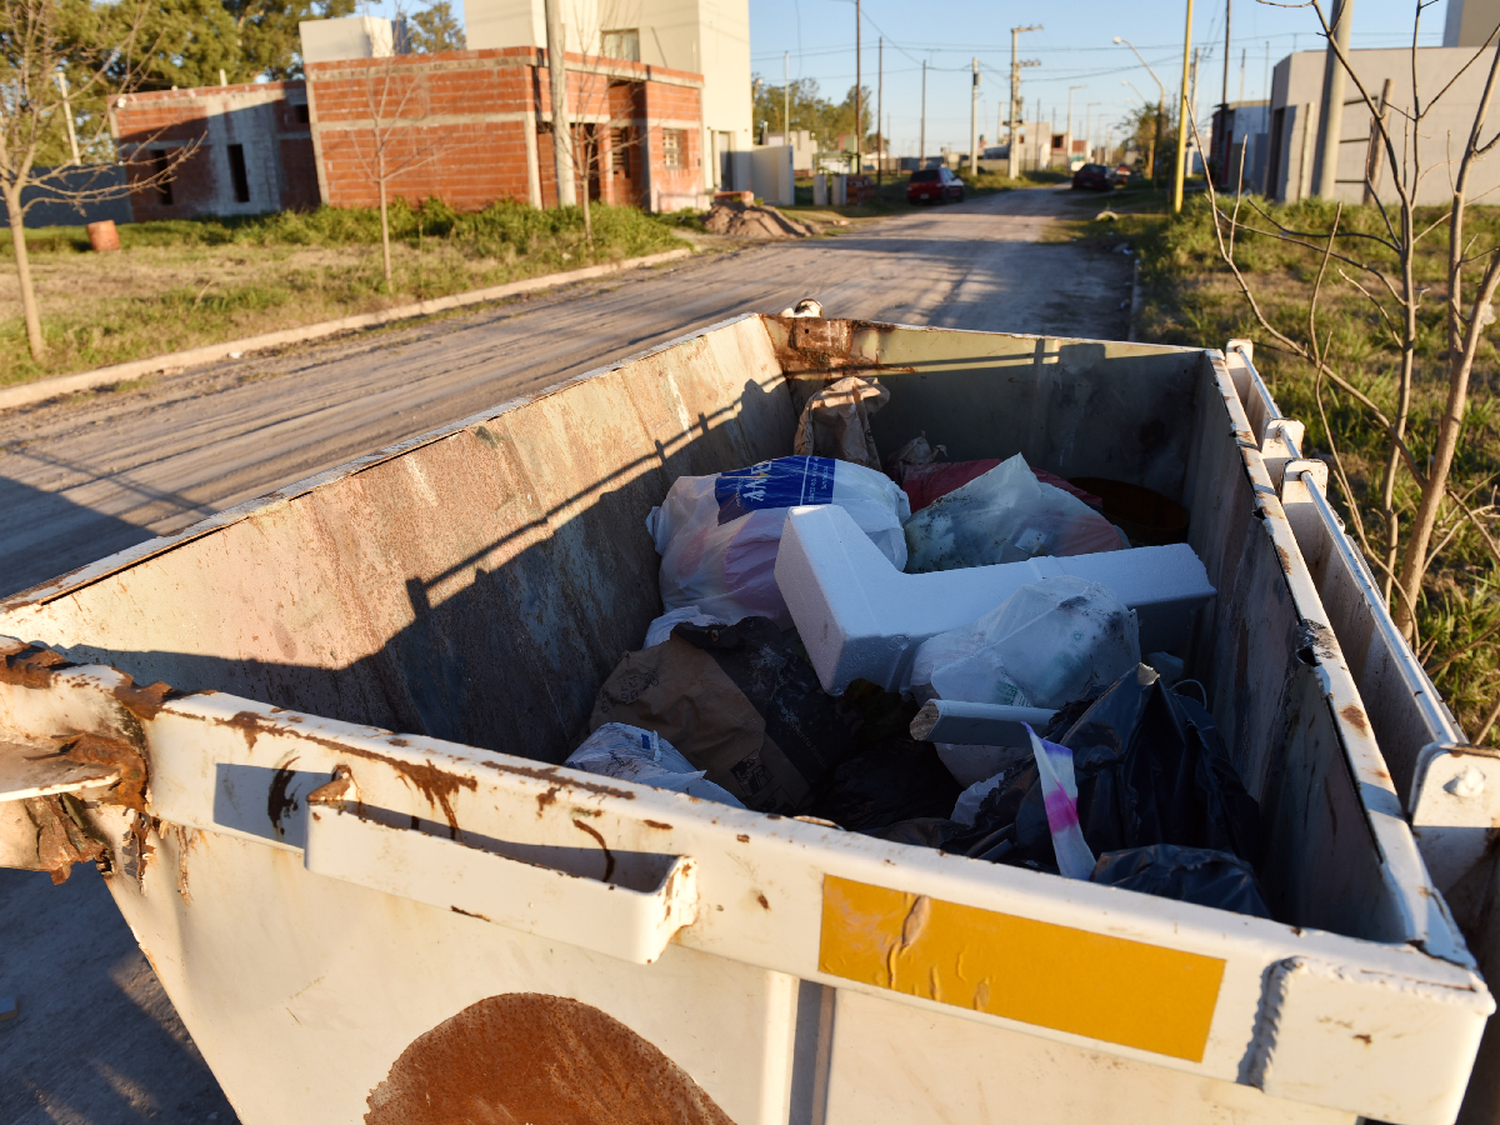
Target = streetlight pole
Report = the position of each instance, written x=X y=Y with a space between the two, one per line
x=922 y=141
x=974 y=123
x=786 y=97
x=1161 y=106
x=1087 y=133
x=1015 y=94
x=1184 y=109
x=885 y=141
x=1070 y=119
x=859 y=93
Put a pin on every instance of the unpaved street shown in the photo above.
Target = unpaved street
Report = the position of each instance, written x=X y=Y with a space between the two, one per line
x=96 y=1041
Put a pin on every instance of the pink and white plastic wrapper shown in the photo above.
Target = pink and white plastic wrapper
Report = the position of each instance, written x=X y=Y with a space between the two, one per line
x=718 y=536
x=1060 y=798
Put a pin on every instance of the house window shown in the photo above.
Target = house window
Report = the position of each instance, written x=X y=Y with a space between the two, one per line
x=238 y=175
x=302 y=115
x=622 y=44
x=159 y=169
x=673 y=147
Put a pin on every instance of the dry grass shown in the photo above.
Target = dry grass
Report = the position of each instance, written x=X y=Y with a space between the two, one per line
x=179 y=285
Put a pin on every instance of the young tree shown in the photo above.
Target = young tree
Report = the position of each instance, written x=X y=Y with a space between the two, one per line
x=41 y=40
x=1380 y=264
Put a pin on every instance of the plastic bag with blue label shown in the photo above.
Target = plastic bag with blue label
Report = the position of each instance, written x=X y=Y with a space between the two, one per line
x=718 y=536
x=632 y=753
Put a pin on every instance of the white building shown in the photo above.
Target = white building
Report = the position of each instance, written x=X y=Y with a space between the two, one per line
x=1297 y=93
x=1470 y=22
x=707 y=37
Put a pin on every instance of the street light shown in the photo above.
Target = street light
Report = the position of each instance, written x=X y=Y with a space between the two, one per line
x=1161 y=106
x=1088 y=155
x=1070 y=120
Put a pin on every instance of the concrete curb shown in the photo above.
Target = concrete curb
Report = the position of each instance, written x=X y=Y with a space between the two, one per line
x=27 y=393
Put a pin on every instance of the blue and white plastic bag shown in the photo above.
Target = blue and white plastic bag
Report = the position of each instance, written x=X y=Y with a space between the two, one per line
x=630 y=753
x=718 y=536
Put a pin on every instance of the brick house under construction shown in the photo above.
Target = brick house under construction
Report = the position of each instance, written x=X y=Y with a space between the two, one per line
x=466 y=127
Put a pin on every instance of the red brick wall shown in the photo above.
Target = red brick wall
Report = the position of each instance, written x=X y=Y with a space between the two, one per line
x=463 y=118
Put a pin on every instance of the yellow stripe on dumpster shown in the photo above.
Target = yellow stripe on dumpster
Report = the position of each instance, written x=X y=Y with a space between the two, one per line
x=1103 y=987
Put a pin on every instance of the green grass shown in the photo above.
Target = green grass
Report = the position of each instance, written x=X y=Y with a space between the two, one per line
x=1189 y=297
x=184 y=283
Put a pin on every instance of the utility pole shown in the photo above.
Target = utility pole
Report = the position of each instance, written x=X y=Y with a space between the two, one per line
x=1070 y=120
x=922 y=142
x=1015 y=93
x=1184 y=108
x=62 y=84
x=859 y=109
x=1088 y=133
x=1331 y=115
x=786 y=96
x=974 y=123
x=1223 y=138
x=562 y=131
x=885 y=140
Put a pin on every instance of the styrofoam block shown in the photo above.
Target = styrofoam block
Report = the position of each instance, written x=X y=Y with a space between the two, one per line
x=861 y=618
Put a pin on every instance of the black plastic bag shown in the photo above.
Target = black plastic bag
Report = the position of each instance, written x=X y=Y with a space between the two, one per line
x=1151 y=769
x=1197 y=875
x=891 y=782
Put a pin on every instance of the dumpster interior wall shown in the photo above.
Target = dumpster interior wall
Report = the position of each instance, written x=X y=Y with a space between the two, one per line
x=480 y=584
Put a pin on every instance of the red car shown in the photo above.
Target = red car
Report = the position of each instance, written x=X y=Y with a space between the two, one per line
x=1095 y=177
x=934 y=184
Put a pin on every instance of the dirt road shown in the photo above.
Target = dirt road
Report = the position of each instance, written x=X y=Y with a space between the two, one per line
x=96 y=1041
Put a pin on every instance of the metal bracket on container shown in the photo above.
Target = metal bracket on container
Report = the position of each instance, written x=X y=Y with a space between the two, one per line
x=1454 y=808
x=1281 y=444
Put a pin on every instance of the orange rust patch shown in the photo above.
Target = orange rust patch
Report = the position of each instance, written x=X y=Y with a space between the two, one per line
x=609 y=856
x=1285 y=558
x=528 y=1057
x=62 y=839
x=32 y=667
x=398 y=742
x=760 y=898
x=545 y=799
x=467 y=913
x=742 y=838
x=130 y=790
x=142 y=702
x=658 y=824
x=1355 y=717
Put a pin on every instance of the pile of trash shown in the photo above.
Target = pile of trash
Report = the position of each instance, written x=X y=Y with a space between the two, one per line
x=1031 y=730
x=742 y=220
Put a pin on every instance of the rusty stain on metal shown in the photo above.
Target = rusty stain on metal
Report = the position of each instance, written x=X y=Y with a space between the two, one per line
x=530 y=1057
x=468 y=913
x=142 y=702
x=549 y=773
x=336 y=791
x=398 y=742
x=545 y=799
x=1285 y=558
x=278 y=802
x=1355 y=717
x=742 y=838
x=130 y=790
x=658 y=824
x=138 y=850
x=32 y=667
x=62 y=836
x=761 y=898
x=609 y=856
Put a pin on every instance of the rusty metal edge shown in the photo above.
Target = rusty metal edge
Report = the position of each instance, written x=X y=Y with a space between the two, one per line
x=27 y=394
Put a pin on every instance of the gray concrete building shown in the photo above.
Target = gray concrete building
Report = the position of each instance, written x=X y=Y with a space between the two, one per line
x=1296 y=94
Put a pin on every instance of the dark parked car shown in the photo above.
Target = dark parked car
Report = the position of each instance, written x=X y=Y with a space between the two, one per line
x=929 y=184
x=1095 y=177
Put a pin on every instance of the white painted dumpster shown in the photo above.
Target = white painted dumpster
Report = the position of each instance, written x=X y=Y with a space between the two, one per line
x=343 y=841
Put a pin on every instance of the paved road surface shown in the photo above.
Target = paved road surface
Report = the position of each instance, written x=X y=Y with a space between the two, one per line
x=97 y=1042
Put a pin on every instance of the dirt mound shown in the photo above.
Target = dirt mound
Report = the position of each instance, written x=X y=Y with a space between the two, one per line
x=744 y=221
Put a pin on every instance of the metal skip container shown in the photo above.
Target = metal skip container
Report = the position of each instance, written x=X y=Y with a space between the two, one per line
x=342 y=837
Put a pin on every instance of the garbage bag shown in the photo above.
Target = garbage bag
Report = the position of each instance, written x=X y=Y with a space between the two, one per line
x=898 y=780
x=1151 y=768
x=630 y=753
x=741 y=704
x=718 y=535
x=1197 y=875
x=918 y=451
x=1006 y=515
x=1050 y=642
x=661 y=627
x=924 y=481
x=836 y=422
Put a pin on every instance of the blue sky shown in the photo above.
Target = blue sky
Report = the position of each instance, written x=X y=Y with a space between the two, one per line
x=1075 y=48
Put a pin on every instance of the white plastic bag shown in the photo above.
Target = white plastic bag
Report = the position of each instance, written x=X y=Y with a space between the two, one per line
x=1006 y=515
x=718 y=535
x=661 y=628
x=634 y=754
x=1049 y=643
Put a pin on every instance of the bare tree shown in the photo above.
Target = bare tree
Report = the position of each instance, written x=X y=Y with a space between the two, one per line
x=1381 y=266
x=400 y=137
x=37 y=110
x=603 y=136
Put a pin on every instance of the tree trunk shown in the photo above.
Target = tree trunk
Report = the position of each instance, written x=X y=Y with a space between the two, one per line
x=385 y=227
x=23 y=273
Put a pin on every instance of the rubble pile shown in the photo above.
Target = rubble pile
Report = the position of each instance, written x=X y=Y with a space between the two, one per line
x=741 y=220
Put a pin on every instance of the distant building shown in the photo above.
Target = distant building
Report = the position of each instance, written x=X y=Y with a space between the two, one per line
x=253 y=149
x=804 y=149
x=1470 y=23
x=710 y=38
x=1239 y=144
x=1296 y=96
